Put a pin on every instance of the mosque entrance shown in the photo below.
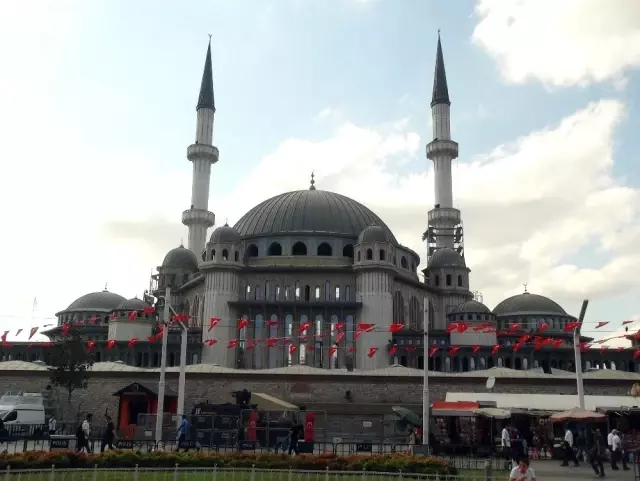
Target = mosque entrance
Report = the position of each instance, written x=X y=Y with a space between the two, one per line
x=138 y=404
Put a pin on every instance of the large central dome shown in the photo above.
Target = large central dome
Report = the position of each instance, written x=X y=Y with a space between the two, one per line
x=309 y=211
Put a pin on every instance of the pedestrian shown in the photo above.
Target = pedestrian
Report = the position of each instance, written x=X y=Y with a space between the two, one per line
x=522 y=472
x=109 y=435
x=52 y=425
x=596 y=453
x=294 y=436
x=569 y=453
x=183 y=433
x=616 y=452
x=411 y=441
x=82 y=435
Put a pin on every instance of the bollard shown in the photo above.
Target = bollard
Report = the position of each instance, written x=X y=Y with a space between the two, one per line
x=214 y=474
x=290 y=474
x=253 y=472
x=52 y=474
x=364 y=474
x=135 y=473
x=94 y=475
x=7 y=475
x=488 y=470
x=326 y=473
x=400 y=477
x=175 y=473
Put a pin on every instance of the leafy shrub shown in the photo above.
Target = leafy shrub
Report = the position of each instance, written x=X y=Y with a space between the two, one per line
x=163 y=459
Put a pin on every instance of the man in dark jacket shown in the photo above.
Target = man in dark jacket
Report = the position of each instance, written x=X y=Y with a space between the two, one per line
x=109 y=435
x=294 y=436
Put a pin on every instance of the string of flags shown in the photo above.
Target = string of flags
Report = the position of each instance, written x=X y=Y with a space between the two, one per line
x=302 y=337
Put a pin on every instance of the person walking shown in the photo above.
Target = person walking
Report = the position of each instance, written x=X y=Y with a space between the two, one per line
x=617 y=452
x=569 y=453
x=183 y=433
x=52 y=425
x=596 y=453
x=82 y=435
x=109 y=435
x=505 y=441
x=294 y=436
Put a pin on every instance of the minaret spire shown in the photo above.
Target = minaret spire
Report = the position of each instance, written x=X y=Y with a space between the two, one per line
x=202 y=154
x=440 y=89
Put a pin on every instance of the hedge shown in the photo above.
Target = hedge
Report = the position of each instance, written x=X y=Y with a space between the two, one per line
x=160 y=459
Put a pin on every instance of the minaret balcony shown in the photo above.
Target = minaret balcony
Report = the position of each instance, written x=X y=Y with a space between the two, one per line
x=202 y=151
x=198 y=216
x=444 y=216
x=440 y=148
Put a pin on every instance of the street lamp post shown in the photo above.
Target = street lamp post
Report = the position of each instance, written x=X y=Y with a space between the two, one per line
x=425 y=375
x=183 y=367
x=163 y=365
x=578 y=354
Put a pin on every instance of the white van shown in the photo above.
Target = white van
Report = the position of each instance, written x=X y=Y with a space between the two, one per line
x=22 y=413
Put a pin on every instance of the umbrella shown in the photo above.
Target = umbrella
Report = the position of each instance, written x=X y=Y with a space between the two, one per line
x=407 y=415
x=578 y=414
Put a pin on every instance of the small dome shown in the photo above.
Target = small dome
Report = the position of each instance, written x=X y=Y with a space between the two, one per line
x=134 y=304
x=182 y=258
x=97 y=301
x=373 y=233
x=225 y=235
x=528 y=304
x=446 y=257
x=473 y=307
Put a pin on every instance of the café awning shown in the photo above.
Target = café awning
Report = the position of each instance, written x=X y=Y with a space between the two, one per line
x=454 y=408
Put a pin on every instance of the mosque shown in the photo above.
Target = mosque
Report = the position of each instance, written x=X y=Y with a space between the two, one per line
x=296 y=277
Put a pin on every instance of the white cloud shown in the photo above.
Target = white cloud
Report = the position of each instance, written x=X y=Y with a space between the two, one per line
x=568 y=42
x=324 y=113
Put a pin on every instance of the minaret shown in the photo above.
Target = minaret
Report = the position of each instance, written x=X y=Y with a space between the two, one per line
x=202 y=154
x=445 y=225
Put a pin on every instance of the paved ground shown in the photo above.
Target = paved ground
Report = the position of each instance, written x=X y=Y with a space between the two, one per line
x=552 y=471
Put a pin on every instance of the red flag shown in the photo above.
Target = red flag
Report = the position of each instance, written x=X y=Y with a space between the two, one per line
x=133 y=315
x=79 y=323
x=624 y=323
x=210 y=342
x=396 y=327
x=432 y=351
x=571 y=326
x=602 y=349
x=272 y=341
x=338 y=326
x=462 y=327
x=93 y=320
x=304 y=327
x=65 y=329
x=602 y=324
x=213 y=322
x=410 y=348
x=352 y=349
x=514 y=327
x=495 y=349
x=366 y=327
x=620 y=348
x=584 y=346
x=272 y=323
x=516 y=347
x=242 y=323
x=636 y=353
x=110 y=343
x=393 y=350
x=292 y=348
x=476 y=348
x=372 y=351
x=250 y=345
x=557 y=342
x=453 y=349
x=18 y=332
x=232 y=343
x=332 y=350
x=90 y=345
x=131 y=342
x=538 y=345
x=113 y=316
x=543 y=327
x=287 y=340
x=3 y=338
x=32 y=332
x=451 y=327
x=47 y=344
x=149 y=310
x=340 y=337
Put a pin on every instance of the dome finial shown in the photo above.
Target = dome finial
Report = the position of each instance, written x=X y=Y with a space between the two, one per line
x=105 y=287
x=226 y=222
x=312 y=186
x=525 y=288
x=181 y=242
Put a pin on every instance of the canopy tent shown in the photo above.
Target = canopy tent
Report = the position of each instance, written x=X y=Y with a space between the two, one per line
x=495 y=413
x=578 y=414
x=456 y=408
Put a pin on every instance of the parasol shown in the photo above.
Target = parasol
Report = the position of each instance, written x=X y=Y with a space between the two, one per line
x=577 y=414
x=407 y=416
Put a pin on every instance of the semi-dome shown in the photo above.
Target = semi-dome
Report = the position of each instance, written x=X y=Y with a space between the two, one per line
x=309 y=211
x=446 y=257
x=134 y=304
x=97 y=301
x=180 y=257
x=225 y=235
x=528 y=304
x=373 y=233
x=472 y=306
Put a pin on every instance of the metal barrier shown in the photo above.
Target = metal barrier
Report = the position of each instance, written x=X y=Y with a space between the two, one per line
x=136 y=473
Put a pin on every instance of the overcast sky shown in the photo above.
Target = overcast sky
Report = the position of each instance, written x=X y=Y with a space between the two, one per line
x=97 y=108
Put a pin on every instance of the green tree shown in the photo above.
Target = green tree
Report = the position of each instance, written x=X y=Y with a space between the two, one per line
x=70 y=360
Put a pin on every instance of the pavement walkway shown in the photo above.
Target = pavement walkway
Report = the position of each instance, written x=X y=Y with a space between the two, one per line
x=552 y=471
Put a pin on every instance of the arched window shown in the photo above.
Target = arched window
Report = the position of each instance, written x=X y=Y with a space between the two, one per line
x=302 y=350
x=447 y=364
x=369 y=254
x=252 y=250
x=286 y=293
x=213 y=254
x=448 y=279
x=347 y=251
x=225 y=255
x=325 y=249
x=258 y=351
x=359 y=256
x=337 y=293
x=267 y=290
x=403 y=262
x=347 y=293
x=327 y=291
x=272 y=351
x=247 y=295
x=437 y=280
x=472 y=364
x=414 y=313
x=299 y=249
x=288 y=332
x=307 y=293
x=483 y=363
x=298 y=293
x=277 y=293
x=317 y=293
x=275 y=249
x=398 y=307
x=459 y=280
x=257 y=293
x=382 y=254
x=236 y=256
